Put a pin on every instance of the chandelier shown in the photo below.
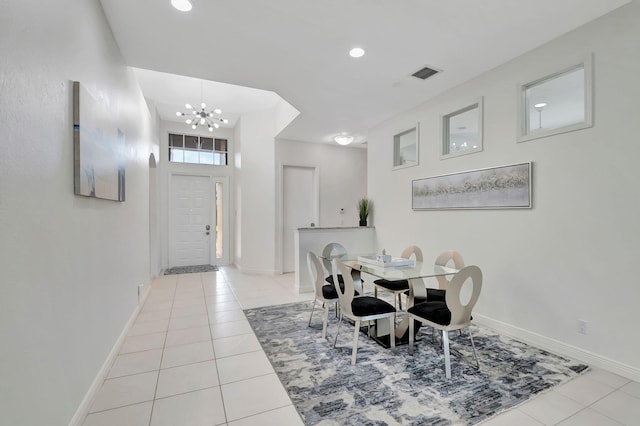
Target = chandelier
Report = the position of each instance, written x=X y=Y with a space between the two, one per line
x=197 y=118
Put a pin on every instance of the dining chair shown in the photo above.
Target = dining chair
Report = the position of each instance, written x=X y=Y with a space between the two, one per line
x=451 y=314
x=359 y=309
x=397 y=287
x=325 y=293
x=446 y=258
x=330 y=251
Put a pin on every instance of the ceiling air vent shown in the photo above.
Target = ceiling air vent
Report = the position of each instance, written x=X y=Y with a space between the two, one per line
x=424 y=73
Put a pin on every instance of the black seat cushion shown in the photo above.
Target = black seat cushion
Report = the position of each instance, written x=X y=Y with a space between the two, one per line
x=398 y=285
x=329 y=291
x=433 y=311
x=329 y=279
x=436 y=295
x=369 y=305
x=433 y=295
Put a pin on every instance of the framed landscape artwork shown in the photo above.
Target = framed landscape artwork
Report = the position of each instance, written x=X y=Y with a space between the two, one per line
x=98 y=148
x=503 y=187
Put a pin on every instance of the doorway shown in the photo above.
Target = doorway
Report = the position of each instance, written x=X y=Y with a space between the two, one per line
x=198 y=221
x=300 y=194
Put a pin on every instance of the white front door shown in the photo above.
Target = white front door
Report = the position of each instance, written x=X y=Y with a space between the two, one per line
x=299 y=208
x=190 y=217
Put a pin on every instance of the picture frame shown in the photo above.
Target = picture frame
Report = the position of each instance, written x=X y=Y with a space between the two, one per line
x=98 y=145
x=501 y=187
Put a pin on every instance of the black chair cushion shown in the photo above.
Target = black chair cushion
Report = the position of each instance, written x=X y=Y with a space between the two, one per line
x=436 y=295
x=369 y=305
x=433 y=311
x=329 y=291
x=433 y=295
x=398 y=285
x=329 y=279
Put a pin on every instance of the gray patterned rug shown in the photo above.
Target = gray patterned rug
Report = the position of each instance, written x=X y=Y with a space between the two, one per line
x=383 y=389
x=190 y=269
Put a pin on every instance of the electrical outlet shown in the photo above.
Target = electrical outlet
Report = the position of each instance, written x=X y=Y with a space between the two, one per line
x=582 y=326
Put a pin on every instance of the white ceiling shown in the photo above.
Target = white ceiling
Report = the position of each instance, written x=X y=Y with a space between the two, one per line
x=298 y=49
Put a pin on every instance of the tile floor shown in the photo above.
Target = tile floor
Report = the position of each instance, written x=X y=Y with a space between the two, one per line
x=191 y=358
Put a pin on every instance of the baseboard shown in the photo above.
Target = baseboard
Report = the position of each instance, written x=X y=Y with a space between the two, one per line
x=560 y=348
x=83 y=408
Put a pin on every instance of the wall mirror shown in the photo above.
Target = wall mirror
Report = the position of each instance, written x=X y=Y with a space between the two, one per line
x=405 y=148
x=557 y=103
x=462 y=131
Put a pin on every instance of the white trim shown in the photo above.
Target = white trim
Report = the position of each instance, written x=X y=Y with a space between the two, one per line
x=524 y=135
x=560 y=348
x=83 y=409
x=444 y=128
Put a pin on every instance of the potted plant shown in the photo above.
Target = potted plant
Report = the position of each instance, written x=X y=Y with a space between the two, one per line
x=364 y=206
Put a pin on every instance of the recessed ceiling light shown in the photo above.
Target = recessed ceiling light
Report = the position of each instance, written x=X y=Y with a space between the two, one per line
x=343 y=139
x=356 y=52
x=182 y=5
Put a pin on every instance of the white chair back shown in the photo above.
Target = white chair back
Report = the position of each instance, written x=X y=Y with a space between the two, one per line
x=461 y=314
x=315 y=270
x=444 y=259
x=347 y=296
x=412 y=251
x=331 y=251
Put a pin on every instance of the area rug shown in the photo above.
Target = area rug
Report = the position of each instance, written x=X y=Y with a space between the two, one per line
x=190 y=269
x=401 y=389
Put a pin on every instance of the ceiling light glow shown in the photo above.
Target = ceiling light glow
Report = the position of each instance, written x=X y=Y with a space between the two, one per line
x=356 y=52
x=343 y=139
x=182 y=5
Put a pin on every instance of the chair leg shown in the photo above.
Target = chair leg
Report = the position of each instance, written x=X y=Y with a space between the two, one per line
x=400 y=301
x=325 y=319
x=354 y=351
x=375 y=291
x=411 y=331
x=392 y=335
x=475 y=356
x=447 y=355
x=337 y=332
x=313 y=306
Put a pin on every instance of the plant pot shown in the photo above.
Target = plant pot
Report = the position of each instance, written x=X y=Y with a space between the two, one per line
x=363 y=222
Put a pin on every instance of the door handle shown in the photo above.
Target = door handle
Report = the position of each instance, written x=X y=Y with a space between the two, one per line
x=207 y=227
x=206 y=233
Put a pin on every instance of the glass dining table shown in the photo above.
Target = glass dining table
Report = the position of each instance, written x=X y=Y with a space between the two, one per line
x=415 y=274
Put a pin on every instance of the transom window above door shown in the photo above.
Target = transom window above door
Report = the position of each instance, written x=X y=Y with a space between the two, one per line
x=197 y=150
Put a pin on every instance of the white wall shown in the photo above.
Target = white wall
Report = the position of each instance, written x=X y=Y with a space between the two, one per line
x=69 y=281
x=343 y=177
x=573 y=255
x=255 y=190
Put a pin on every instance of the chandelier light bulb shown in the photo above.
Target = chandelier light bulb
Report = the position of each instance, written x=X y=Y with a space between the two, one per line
x=197 y=117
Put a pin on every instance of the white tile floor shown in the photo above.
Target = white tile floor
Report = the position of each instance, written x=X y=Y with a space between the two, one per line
x=191 y=358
